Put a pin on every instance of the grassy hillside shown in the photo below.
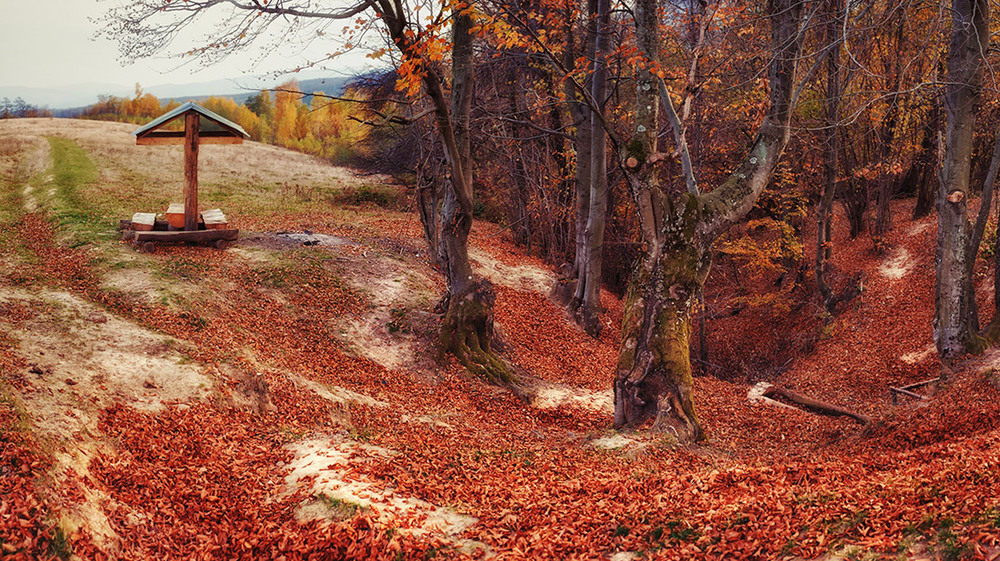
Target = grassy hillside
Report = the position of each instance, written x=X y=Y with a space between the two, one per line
x=282 y=399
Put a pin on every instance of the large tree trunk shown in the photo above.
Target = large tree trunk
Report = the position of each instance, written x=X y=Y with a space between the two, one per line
x=954 y=314
x=653 y=377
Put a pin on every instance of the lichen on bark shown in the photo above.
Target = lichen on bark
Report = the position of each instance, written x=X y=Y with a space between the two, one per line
x=654 y=376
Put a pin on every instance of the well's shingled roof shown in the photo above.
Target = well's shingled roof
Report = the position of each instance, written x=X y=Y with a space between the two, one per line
x=189 y=106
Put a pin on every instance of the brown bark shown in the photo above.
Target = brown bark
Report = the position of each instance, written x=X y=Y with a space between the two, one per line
x=588 y=313
x=925 y=164
x=831 y=153
x=429 y=203
x=581 y=114
x=954 y=314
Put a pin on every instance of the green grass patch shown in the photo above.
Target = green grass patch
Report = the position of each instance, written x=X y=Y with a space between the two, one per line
x=60 y=547
x=340 y=509
x=11 y=202
x=20 y=422
x=72 y=170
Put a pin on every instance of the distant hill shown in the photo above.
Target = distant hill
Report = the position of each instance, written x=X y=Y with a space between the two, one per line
x=328 y=86
x=70 y=100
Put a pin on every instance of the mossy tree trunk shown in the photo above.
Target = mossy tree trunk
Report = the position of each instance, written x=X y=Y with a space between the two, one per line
x=467 y=329
x=653 y=377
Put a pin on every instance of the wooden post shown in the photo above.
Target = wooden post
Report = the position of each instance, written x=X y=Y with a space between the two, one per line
x=191 y=122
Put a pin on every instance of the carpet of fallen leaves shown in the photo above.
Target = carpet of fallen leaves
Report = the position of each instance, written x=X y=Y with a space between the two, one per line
x=206 y=480
x=25 y=530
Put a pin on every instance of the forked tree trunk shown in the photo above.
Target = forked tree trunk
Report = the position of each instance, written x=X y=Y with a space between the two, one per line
x=653 y=375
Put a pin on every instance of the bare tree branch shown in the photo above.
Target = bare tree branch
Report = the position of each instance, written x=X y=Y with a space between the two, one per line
x=679 y=138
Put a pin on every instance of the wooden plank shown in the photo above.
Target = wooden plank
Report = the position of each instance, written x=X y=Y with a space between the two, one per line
x=175 y=215
x=200 y=236
x=191 y=124
x=143 y=221
x=214 y=219
x=162 y=225
x=221 y=139
x=176 y=138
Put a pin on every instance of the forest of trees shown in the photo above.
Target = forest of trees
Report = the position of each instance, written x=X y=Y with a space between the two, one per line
x=20 y=109
x=624 y=140
x=318 y=125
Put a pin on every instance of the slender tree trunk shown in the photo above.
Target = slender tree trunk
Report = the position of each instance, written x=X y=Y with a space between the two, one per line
x=887 y=135
x=589 y=311
x=561 y=250
x=934 y=161
x=520 y=171
x=653 y=375
x=583 y=144
x=429 y=203
x=831 y=152
x=924 y=165
x=886 y=185
x=954 y=314
x=978 y=231
x=467 y=328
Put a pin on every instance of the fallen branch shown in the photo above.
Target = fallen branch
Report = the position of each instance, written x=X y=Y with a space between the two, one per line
x=897 y=391
x=816 y=405
x=907 y=390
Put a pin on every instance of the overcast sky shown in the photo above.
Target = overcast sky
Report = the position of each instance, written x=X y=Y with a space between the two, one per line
x=49 y=43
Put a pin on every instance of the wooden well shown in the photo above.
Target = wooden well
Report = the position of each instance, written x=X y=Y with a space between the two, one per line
x=219 y=130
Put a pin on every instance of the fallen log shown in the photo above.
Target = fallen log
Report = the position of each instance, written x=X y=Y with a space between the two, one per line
x=816 y=405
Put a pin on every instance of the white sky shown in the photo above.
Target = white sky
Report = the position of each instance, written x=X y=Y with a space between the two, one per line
x=50 y=43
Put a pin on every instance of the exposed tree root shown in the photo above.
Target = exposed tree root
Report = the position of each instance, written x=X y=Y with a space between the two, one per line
x=467 y=332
